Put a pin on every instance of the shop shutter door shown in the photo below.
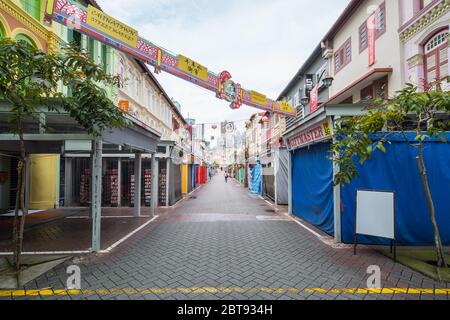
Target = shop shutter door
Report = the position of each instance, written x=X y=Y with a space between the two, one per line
x=312 y=186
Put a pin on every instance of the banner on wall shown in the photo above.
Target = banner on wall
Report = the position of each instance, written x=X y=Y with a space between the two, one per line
x=314 y=105
x=371 y=34
x=101 y=27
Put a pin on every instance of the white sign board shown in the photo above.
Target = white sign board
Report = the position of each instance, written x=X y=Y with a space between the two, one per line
x=375 y=214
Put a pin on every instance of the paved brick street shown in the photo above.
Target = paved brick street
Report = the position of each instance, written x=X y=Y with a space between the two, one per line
x=222 y=243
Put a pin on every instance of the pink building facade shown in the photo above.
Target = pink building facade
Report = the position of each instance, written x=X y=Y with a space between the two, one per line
x=424 y=34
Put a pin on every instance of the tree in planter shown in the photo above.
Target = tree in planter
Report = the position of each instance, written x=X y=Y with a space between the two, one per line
x=358 y=137
x=29 y=79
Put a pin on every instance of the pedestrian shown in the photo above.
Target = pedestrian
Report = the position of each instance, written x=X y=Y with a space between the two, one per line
x=226 y=177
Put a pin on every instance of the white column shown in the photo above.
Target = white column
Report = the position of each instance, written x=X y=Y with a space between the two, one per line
x=155 y=179
x=290 y=182
x=137 y=184
x=167 y=181
x=276 y=158
x=96 y=193
x=119 y=182
x=336 y=200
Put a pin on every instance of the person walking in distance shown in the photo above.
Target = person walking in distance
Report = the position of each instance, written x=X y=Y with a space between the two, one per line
x=226 y=177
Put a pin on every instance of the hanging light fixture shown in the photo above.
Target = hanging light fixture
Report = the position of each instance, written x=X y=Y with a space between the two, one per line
x=305 y=100
x=328 y=81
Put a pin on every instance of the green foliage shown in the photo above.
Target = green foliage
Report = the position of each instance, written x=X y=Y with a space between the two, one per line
x=30 y=78
x=357 y=138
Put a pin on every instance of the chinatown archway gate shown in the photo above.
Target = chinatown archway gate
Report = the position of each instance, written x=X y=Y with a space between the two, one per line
x=98 y=25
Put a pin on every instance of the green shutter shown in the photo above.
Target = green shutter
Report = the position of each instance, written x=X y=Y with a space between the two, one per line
x=74 y=36
x=32 y=7
x=105 y=58
x=91 y=48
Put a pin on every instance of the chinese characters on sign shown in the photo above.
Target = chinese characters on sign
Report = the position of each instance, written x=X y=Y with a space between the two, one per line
x=314 y=134
x=192 y=67
x=286 y=107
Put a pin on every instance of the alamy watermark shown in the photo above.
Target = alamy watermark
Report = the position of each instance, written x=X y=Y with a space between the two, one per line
x=74 y=277
x=374 y=280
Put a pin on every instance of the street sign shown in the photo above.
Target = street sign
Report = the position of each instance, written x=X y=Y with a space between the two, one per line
x=99 y=26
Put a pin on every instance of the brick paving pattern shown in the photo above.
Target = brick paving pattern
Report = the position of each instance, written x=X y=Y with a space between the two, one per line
x=216 y=239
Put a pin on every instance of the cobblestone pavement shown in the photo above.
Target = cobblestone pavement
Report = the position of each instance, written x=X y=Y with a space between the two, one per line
x=222 y=243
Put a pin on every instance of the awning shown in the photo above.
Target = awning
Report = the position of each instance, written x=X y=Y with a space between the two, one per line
x=61 y=128
x=358 y=85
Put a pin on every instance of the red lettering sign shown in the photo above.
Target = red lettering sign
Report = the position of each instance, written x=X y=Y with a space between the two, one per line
x=306 y=137
x=314 y=105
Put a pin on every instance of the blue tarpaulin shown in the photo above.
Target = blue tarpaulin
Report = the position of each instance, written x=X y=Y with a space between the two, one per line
x=256 y=179
x=312 y=186
x=397 y=171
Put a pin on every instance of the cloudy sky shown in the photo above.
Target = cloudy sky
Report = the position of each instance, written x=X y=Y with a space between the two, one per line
x=262 y=43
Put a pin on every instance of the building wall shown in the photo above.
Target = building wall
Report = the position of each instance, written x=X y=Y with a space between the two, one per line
x=417 y=29
x=15 y=23
x=298 y=89
x=387 y=44
x=147 y=102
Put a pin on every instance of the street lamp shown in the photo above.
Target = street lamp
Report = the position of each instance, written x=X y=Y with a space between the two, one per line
x=305 y=100
x=328 y=81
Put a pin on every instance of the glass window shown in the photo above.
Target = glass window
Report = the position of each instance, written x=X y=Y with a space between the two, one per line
x=380 y=19
x=74 y=36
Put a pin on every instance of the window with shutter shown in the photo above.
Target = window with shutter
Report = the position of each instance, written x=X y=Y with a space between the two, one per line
x=436 y=57
x=343 y=56
x=367 y=93
x=363 y=37
x=380 y=19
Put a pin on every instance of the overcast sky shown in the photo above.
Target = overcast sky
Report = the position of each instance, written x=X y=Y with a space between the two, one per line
x=262 y=43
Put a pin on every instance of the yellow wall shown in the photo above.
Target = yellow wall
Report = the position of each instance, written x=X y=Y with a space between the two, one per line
x=184 y=179
x=43 y=181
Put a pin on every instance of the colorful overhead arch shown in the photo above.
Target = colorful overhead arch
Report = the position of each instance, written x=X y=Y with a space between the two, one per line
x=98 y=25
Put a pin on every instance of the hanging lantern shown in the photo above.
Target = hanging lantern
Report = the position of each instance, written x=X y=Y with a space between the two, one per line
x=214 y=126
